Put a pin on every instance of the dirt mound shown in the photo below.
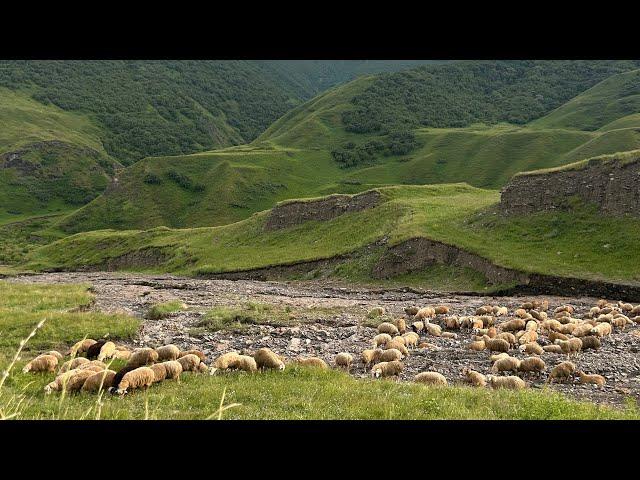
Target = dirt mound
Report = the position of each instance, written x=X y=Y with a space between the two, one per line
x=296 y=212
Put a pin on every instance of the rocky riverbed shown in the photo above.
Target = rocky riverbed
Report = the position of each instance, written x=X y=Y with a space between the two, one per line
x=323 y=319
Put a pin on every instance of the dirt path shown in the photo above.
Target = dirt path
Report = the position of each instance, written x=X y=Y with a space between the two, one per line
x=328 y=319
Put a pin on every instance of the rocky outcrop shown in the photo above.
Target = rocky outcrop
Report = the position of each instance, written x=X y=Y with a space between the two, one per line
x=294 y=213
x=613 y=185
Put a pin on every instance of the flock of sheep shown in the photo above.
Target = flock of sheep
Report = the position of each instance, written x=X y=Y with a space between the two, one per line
x=533 y=331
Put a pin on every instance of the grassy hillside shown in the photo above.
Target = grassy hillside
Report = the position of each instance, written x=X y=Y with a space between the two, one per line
x=50 y=160
x=579 y=243
x=612 y=104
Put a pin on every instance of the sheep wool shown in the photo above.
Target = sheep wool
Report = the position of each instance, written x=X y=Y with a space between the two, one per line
x=484 y=310
x=425 y=313
x=391 y=355
x=72 y=364
x=513 y=325
x=225 y=361
x=593 y=379
x=411 y=339
x=72 y=381
x=430 y=346
x=248 y=364
x=441 y=310
x=494 y=358
x=107 y=351
x=398 y=345
x=122 y=354
x=387 y=369
x=200 y=354
x=142 y=356
x=400 y=324
x=189 y=362
x=94 y=350
x=265 y=358
x=344 y=360
x=583 y=330
x=313 y=362
x=417 y=327
x=433 y=329
x=56 y=354
x=532 y=364
x=509 y=337
x=159 y=372
x=553 y=336
x=509 y=364
x=573 y=345
x=80 y=347
x=601 y=330
x=452 y=323
x=474 y=378
x=371 y=355
x=532 y=348
x=527 y=337
x=476 y=346
x=173 y=369
x=411 y=310
x=591 y=342
x=120 y=375
x=42 y=363
x=141 y=377
x=381 y=339
x=389 y=328
x=495 y=344
x=102 y=380
x=449 y=335
x=552 y=348
x=431 y=378
x=168 y=353
x=510 y=382
x=561 y=371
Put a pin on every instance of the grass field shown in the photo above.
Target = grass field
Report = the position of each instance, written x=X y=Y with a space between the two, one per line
x=296 y=393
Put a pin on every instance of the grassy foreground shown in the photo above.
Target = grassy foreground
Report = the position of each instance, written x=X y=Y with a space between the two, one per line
x=296 y=393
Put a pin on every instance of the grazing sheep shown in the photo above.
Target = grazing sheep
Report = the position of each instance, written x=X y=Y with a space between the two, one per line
x=388 y=328
x=173 y=369
x=399 y=339
x=387 y=369
x=42 y=363
x=200 y=354
x=531 y=348
x=120 y=375
x=568 y=328
x=265 y=358
x=400 y=324
x=601 y=330
x=594 y=378
x=71 y=381
x=441 y=310
x=474 y=378
x=571 y=346
x=417 y=327
x=591 y=342
x=433 y=329
x=527 y=306
x=521 y=312
x=312 y=362
x=168 y=353
x=449 y=335
x=602 y=303
x=532 y=364
x=484 y=310
x=55 y=353
x=80 y=347
x=370 y=356
x=452 y=323
x=497 y=356
x=411 y=310
x=552 y=348
x=249 y=365
x=398 y=345
x=495 y=344
x=540 y=316
x=425 y=313
x=189 y=363
x=476 y=346
x=411 y=339
x=99 y=381
x=527 y=336
x=636 y=310
x=224 y=361
x=620 y=321
x=492 y=332
x=95 y=364
x=636 y=319
x=376 y=312
x=202 y=367
x=562 y=371
x=142 y=356
x=431 y=378
x=107 y=351
x=509 y=337
x=513 y=325
x=122 y=353
x=487 y=320
x=583 y=330
x=625 y=307
x=553 y=336
x=381 y=339
x=431 y=346
x=531 y=325
x=509 y=364
x=511 y=382
x=141 y=377
x=391 y=355
x=500 y=311
x=94 y=350
x=159 y=372
x=72 y=364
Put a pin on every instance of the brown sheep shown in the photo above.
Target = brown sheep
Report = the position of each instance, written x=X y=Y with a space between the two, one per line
x=582 y=330
x=389 y=328
x=509 y=364
x=387 y=369
x=107 y=351
x=411 y=310
x=417 y=327
x=511 y=382
x=591 y=342
x=425 y=313
x=521 y=312
x=398 y=345
x=248 y=364
x=411 y=339
x=474 y=378
x=142 y=356
x=571 y=346
x=532 y=348
x=431 y=378
x=449 y=335
x=141 y=377
x=74 y=380
x=159 y=372
x=476 y=346
x=532 y=364
x=553 y=336
x=513 y=325
x=99 y=381
x=190 y=362
x=562 y=371
x=441 y=310
x=452 y=323
x=598 y=380
x=509 y=337
x=55 y=353
x=173 y=368
x=497 y=356
x=495 y=344
x=344 y=360
x=601 y=330
x=391 y=355
x=401 y=325
x=370 y=356
x=527 y=336
x=313 y=362
x=42 y=363
x=484 y=310
x=381 y=339
x=80 y=347
x=552 y=348
x=224 y=361
x=72 y=364
x=200 y=354
x=433 y=329
x=168 y=353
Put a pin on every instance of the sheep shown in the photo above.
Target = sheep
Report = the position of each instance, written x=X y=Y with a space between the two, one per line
x=122 y=353
x=506 y=365
x=476 y=346
x=492 y=332
x=411 y=339
x=381 y=339
x=500 y=311
x=398 y=345
x=417 y=327
x=636 y=319
x=441 y=310
x=531 y=325
x=167 y=353
x=449 y=335
x=564 y=308
x=312 y=362
x=411 y=310
x=55 y=353
x=552 y=348
x=583 y=330
x=141 y=377
x=527 y=337
x=99 y=381
x=595 y=379
x=70 y=381
x=387 y=369
x=431 y=378
x=513 y=325
x=620 y=321
x=42 y=363
x=391 y=355
x=193 y=351
x=521 y=312
x=487 y=321
x=370 y=356
x=399 y=339
x=94 y=350
x=401 y=325
x=107 y=351
x=142 y=357
x=97 y=365
x=452 y=323
x=159 y=372
x=190 y=362
x=495 y=344
x=474 y=378
x=553 y=336
x=431 y=346
x=344 y=360
x=602 y=303
x=510 y=382
x=265 y=358
x=625 y=307
x=591 y=342
x=425 y=313
x=80 y=347
x=636 y=310
x=173 y=369
x=509 y=337
x=376 y=312
x=532 y=364
x=571 y=346
x=224 y=361
x=601 y=330
x=389 y=328
x=497 y=356
x=561 y=371
x=531 y=348
x=72 y=364
x=484 y=310
x=527 y=306
x=568 y=328
x=541 y=316
x=248 y=364
x=433 y=329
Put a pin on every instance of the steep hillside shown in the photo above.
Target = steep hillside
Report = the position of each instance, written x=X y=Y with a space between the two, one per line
x=50 y=160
